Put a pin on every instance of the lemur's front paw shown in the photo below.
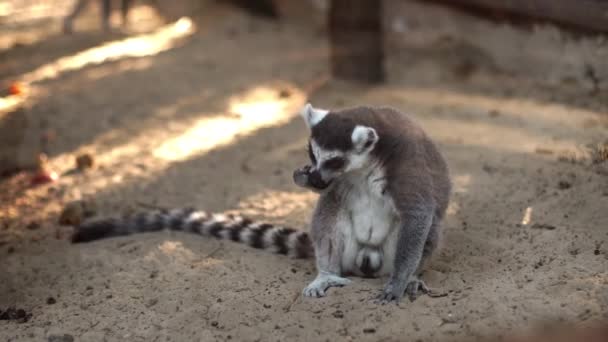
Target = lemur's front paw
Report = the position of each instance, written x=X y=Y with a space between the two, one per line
x=309 y=177
x=300 y=176
x=318 y=286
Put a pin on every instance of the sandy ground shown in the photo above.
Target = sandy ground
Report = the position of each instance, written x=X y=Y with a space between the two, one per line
x=211 y=122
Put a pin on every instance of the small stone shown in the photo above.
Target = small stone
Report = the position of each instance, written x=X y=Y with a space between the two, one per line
x=13 y=314
x=563 y=185
x=72 y=214
x=51 y=301
x=84 y=162
x=152 y=302
x=543 y=226
x=76 y=211
x=284 y=93
x=33 y=225
x=338 y=314
x=369 y=330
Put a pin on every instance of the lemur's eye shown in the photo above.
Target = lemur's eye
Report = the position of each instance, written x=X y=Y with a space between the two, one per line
x=334 y=164
x=311 y=155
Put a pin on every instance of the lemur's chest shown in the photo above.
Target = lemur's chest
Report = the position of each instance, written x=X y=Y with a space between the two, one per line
x=371 y=211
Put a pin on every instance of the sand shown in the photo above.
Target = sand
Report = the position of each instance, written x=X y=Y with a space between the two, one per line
x=211 y=122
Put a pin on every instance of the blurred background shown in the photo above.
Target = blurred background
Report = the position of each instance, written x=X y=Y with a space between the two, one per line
x=110 y=107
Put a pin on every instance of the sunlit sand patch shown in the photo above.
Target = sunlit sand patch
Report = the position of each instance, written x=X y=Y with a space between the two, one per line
x=493 y=136
x=453 y=208
x=461 y=182
x=246 y=113
x=138 y=46
x=524 y=108
x=527 y=217
x=277 y=204
x=142 y=45
x=255 y=109
x=177 y=252
x=9 y=103
x=170 y=247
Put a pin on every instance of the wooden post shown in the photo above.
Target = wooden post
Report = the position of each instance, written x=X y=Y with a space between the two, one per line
x=355 y=30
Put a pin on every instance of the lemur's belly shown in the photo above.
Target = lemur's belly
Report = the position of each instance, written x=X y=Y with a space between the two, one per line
x=369 y=226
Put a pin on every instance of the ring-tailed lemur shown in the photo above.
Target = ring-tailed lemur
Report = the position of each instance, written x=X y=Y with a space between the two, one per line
x=384 y=189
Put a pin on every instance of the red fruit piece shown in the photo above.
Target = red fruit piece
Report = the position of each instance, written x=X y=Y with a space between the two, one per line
x=15 y=89
x=44 y=176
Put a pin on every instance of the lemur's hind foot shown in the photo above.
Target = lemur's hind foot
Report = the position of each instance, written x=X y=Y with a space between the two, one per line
x=415 y=287
x=393 y=291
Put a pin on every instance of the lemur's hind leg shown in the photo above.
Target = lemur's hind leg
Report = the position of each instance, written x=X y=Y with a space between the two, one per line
x=411 y=244
x=416 y=284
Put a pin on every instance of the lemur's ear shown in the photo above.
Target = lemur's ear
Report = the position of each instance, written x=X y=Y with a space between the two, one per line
x=364 y=138
x=311 y=115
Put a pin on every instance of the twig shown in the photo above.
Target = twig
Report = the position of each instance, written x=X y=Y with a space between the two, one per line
x=293 y=302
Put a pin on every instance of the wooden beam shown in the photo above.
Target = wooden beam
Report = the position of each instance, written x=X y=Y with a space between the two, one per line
x=590 y=16
x=355 y=32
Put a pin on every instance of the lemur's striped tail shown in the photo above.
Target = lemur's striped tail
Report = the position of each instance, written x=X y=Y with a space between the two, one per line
x=279 y=239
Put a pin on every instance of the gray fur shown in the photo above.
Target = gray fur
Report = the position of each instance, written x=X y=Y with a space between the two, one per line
x=380 y=213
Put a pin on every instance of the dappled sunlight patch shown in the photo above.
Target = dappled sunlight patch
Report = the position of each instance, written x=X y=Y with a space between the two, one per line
x=254 y=109
x=171 y=247
x=143 y=45
x=138 y=46
x=9 y=103
x=527 y=216
x=180 y=255
x=461 y=183
x=453 y=208
x=517 y=107
x=277 y=204
x=147 y=152
x=492 y=135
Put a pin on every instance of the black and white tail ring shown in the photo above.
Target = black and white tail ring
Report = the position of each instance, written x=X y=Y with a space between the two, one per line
x=236 y=228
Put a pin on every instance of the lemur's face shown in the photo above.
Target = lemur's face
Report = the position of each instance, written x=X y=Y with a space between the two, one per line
x=337 y=145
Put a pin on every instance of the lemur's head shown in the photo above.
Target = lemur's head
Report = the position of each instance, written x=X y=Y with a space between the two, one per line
x=337 y=144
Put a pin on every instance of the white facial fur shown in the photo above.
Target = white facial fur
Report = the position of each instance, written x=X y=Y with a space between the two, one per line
x=363 y=138
x=311 y=115
x=363 y=135
x=323 y=155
